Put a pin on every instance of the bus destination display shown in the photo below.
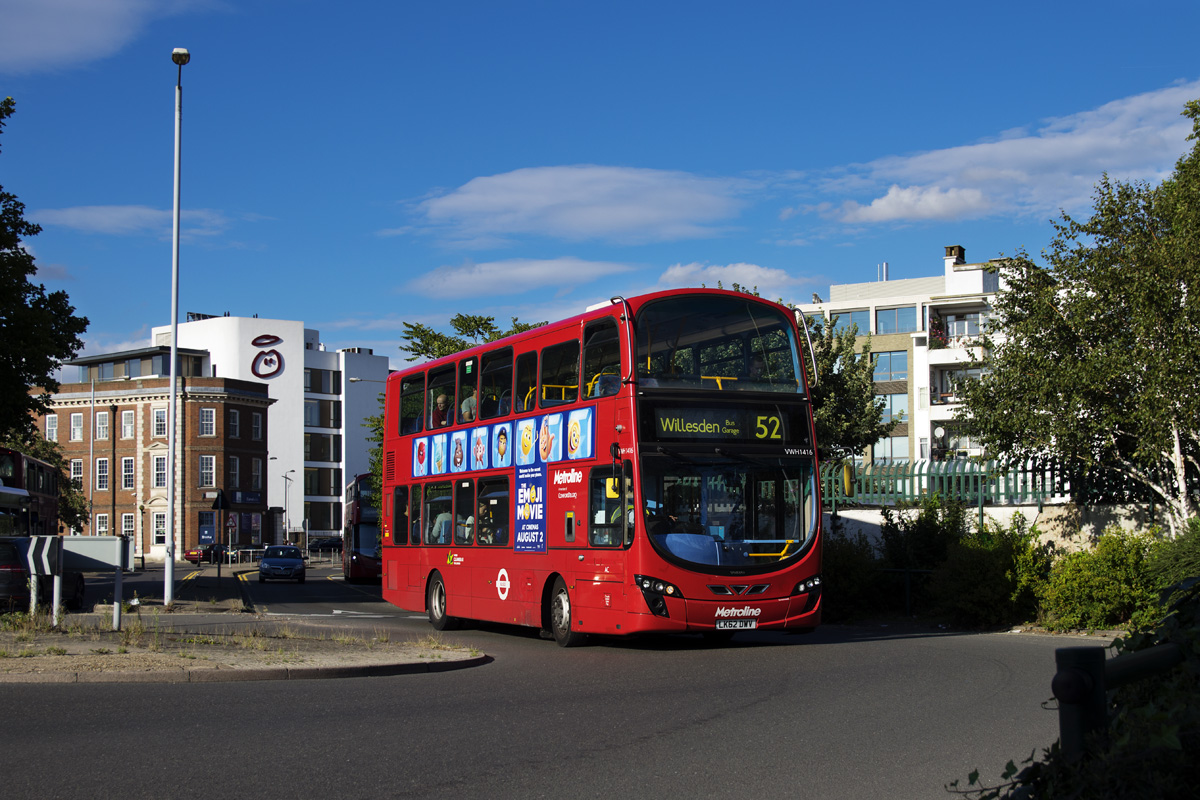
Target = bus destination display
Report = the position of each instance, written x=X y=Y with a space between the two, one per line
x=766 y=426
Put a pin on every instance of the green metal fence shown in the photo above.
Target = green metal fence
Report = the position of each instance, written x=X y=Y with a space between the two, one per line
x=973 y=483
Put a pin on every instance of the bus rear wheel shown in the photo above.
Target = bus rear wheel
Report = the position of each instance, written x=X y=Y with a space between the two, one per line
x=560 y=617
x=435 y=602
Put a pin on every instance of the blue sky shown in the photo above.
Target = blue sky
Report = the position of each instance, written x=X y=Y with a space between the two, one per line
x=359 y=164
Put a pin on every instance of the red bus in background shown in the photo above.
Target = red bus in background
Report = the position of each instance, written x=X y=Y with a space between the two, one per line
x=360 y=537
x=28 y=495
x=647 y=466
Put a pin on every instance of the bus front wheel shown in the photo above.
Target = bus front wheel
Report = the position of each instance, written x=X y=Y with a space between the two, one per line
x=560 y=617
x=435 y=602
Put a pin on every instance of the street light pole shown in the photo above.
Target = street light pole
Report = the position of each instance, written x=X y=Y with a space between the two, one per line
x=287 y=516
x=180 y=56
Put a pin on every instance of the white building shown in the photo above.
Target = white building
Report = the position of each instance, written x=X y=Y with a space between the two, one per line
x=924 y=333
x=316 y=439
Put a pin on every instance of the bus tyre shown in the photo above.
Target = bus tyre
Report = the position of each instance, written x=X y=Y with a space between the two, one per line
x=435 y=602
x=560 y=617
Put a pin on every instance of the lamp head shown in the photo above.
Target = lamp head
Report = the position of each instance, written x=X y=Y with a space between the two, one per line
x=180 y=56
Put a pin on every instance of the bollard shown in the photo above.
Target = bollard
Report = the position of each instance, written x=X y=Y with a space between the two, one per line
x=1079 y=688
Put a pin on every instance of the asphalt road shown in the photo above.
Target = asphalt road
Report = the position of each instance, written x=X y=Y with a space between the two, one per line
x=844 y=713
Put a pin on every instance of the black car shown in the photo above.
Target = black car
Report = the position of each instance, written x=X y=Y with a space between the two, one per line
x=14 y=582
x=331 y=544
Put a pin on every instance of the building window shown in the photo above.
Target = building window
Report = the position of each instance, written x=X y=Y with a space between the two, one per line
x=52 y=427
x=101 y=474
x=208 y=519
x=77 y=472
x=895 y=406
x=105 y=371
x=312 y=413
x=102 y=524
x=896 y=320
x=133 y=368
x=208 y=470
x=160 y=423
x=233 y=423
x=77 y=427
x=160 y=527
x=235 y=468
x=160 y=472
x=256 y=432
x=208 y=422
x=256 y=475
x=127 y=525
x=126 y=473
x=127 y=422
x=101 y=424
x=891 y=450
x=891 y=366
x=846 y=319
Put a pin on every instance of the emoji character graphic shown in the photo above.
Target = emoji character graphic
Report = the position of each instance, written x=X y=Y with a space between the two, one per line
x=439 y=457
x=458 y=452
x=573 y=438
x=545 y=439
x=502 y=443
x=480 y=450
x=421 y=453
x=526 y=439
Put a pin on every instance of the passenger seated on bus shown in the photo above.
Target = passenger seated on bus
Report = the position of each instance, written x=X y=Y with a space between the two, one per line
x=441 y=413
x=606 y=385
x=439 y=531
x=485 y=524
x=467 y=410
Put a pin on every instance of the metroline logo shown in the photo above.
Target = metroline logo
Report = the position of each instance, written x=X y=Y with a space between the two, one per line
x=744 y=611
x=568 y=476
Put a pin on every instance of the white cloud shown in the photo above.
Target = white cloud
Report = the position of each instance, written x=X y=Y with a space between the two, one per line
x=1024 y=172
x=42 y=35
x=131 y=220
x=915 y=202
x=513 y=276
x=586 y=202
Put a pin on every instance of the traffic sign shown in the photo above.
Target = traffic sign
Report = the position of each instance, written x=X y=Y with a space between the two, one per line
x=44 y=556
x=231 y=522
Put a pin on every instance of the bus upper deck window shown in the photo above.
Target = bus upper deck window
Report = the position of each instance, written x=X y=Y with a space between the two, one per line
x=560 y=374
x=601 y=358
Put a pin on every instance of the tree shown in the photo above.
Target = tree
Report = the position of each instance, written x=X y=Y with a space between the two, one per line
x=38 y=331
x=1093 y=357
x=847 y=413
x=426 y=343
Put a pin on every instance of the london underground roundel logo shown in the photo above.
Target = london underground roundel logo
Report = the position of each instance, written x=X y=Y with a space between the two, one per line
x=502 y=584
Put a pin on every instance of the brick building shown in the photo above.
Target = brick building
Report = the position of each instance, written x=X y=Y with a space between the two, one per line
x=112 y=428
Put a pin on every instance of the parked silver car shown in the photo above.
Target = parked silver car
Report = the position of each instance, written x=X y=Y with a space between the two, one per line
x=283 y=561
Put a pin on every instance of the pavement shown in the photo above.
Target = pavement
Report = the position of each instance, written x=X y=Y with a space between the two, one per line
x=209 y=633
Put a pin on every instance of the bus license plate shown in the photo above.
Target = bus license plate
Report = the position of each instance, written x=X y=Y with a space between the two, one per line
x=736 y=624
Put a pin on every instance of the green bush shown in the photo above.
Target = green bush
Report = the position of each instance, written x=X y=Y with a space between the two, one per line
x=990 y=576
x=849 y=577
x=1104 y=588
x=915 y=539
x=1172 y=561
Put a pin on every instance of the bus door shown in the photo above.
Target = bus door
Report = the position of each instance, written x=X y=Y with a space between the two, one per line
x=611 y=518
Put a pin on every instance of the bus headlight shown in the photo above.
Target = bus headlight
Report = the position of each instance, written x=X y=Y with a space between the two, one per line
x=812 y=588
x=655 y=592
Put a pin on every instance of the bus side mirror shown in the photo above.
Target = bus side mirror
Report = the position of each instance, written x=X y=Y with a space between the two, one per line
x=848 y=479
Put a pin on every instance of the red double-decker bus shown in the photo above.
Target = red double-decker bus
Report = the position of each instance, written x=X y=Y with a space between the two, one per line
x=361 y=551
x=28 y=495
x=647 y=466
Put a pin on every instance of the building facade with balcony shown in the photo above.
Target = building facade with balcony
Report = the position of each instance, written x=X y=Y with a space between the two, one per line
x=112 y=426
x=924 y=339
